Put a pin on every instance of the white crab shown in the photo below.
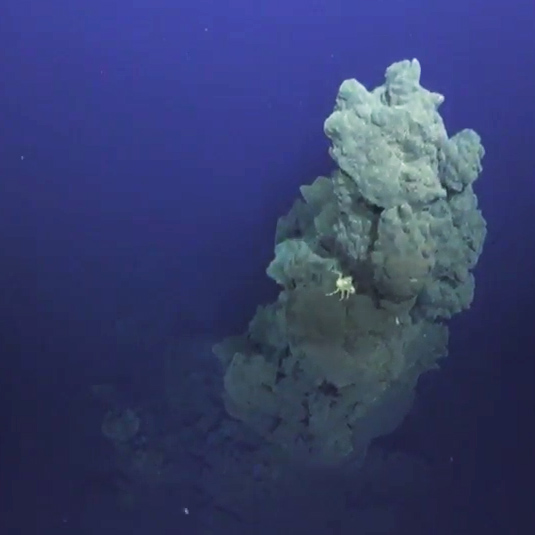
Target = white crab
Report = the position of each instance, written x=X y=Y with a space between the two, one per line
x=344 y=286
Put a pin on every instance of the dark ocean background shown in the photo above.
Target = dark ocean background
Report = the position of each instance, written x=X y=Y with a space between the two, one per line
x=146 y=152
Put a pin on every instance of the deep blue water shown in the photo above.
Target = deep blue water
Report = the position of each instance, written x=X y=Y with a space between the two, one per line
x=147 y=150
